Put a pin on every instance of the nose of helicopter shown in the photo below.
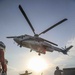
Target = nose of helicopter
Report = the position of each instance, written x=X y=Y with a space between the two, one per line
x=17 y=40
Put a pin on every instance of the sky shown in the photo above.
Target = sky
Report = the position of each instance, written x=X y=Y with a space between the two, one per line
x=42 y=14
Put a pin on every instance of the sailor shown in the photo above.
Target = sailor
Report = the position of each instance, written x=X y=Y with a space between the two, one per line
x=58 y=71
x=2 y=58
x=26 y=73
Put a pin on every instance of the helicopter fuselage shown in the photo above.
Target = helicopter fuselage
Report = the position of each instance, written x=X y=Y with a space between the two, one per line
x=34 y=43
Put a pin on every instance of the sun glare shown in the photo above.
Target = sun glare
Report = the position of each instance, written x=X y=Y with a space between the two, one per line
x=37 y=64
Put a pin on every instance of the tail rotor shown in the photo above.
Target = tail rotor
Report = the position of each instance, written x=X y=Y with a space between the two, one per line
x=64 y=51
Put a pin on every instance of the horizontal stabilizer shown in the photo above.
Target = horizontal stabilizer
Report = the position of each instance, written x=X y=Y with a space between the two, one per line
x=66 y=50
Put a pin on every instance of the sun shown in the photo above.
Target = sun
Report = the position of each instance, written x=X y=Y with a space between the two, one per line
x=37 y=64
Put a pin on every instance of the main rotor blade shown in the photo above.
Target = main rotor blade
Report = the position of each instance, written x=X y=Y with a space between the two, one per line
x=11 y=37
x=53 y=26
x=41 y=39
x=51 y=42
x=15 y=36
x=25 y=16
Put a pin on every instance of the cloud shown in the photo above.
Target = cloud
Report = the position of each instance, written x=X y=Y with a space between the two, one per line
x=64 y=61
x=72 y=51
x=12 y=71
x=71 y=42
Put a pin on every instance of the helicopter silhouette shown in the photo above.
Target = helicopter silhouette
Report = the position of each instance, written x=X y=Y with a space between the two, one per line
x=37 y=43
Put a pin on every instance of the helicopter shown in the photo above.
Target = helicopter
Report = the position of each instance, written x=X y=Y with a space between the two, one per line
x=36 y=43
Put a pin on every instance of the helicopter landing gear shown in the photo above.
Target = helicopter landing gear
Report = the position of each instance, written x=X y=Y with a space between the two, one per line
x=39 y=54
x=31 y=50
x=20 y=43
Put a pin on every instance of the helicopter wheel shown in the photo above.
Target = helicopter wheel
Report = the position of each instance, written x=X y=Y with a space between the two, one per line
x=20 y=45
x=39 y=54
